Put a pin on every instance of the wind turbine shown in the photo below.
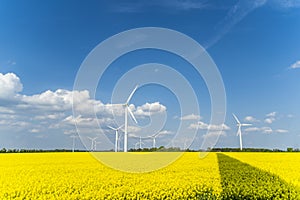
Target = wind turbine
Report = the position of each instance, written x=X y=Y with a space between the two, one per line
x=95 y=145
x=239 y=132
x=140 y=142
x=117 y=136
x=154 y=139
x=92 y=144
x=73 y=144
x=127 y=109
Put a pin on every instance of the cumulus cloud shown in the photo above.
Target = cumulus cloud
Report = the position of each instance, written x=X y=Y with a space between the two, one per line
x=251 y=119
x=34 y=130
x=54 y=109
x=281 y=131
x=165 y=132
x=50 y=116
x=149 y=109
x=10 y=85
x=270 y=117
x=252 y=129
x=212 y=127
x=190 y=117
x=295 y=65
x=265 y=129
x=272 y=114
x=269 y=120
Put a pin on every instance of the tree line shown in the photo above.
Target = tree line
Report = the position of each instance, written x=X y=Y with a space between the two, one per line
x=156 y=149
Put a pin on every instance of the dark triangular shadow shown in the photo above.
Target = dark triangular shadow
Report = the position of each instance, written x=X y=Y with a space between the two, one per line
x=243 y=181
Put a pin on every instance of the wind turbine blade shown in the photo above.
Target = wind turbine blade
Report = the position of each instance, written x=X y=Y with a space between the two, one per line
x=131 y=94
x=112 y=128
x=120 y=127
x=131 y=114
x=237 y=120
x=246 y=124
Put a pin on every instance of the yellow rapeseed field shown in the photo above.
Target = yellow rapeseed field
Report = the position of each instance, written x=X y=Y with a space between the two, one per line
x=285 y=165
x=81 y=176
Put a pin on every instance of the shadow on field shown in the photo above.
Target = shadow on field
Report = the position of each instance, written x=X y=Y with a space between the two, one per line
x=243 y=181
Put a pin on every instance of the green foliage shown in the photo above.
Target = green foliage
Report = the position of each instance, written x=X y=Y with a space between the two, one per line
x=242 y=181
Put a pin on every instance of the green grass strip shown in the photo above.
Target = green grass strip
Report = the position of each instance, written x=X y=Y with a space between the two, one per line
x=243 y=181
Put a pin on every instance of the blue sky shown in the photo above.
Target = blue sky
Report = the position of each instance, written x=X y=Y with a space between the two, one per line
x=255 y=45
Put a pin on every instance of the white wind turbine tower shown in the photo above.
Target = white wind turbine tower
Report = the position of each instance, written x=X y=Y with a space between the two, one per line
x=154 y=139
x=73 y=144
x=127 y=109
x=119 y=142
x=117 y=136
x=95 y=145
x=93 y=141
x=239 y=132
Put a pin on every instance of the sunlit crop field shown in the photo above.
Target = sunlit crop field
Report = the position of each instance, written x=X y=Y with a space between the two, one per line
x=80 y=176
x=217 y=176
x=285 y=165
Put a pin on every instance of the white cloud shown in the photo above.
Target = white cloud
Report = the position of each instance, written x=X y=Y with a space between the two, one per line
x=6 y=110
x=272 y=114
x=53 y=109
x=265 y=129
x=190 y=117
x=252 y=129
x=261 y=129
x=212 y=127
x=281 y=131
x=296 y=65
x=165 y=132
x=251 y=119
x=149 y=109
x=10 y=85
x=270 y=117
x=34 y=130
x=50 y=116
x=269 y=120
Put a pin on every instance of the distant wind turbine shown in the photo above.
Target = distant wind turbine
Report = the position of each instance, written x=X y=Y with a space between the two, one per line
x=95 y=145
x=239 y=132
x=140 y=143
x=73 y=144
x=154 y=139
x=117 y=136
x=92 y=142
